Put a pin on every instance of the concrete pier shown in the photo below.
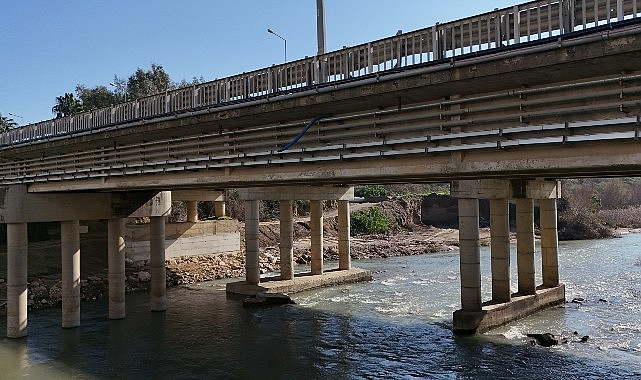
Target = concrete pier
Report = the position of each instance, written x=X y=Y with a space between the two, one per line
x=525 y=245
x=17 y=280
x=500 y=248
x=344 y=258
x=316 y=232
x=192 y=211
x=476 y=316
x=70 y=252
x=470 y=258
x=158 y=299
x=549 y=243
x=286 y=240
x=252 y=259
x=317 y=277
x=116 y=262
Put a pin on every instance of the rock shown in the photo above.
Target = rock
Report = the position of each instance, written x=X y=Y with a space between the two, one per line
x=602 y=300
x=578 y=300
x=144 y=276
x=267 y=299
x=545 y=340
x=584 y=338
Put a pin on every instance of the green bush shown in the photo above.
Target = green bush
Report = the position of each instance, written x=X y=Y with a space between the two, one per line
x=369 y=221
x=371 y=191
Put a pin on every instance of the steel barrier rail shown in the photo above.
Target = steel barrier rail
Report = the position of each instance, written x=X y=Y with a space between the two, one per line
x=531 y=21
x=492 y=121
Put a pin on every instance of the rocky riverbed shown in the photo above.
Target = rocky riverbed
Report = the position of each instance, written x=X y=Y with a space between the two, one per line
x=46 y=290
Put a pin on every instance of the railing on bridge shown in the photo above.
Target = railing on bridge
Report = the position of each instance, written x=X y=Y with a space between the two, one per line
x=532 y=21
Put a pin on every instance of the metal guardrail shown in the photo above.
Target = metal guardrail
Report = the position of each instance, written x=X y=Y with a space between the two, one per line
x=531 y=21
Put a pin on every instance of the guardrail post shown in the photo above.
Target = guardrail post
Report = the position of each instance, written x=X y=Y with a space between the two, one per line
x=370 y=61
x=566 y=16
x=436 y=43
x=620 y=13
x=517 y=24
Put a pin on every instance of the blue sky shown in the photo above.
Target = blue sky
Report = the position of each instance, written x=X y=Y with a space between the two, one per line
x=50 y=47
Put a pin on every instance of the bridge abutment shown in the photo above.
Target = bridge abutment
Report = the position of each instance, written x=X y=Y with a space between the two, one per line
x=476 y=316
x=287 y=281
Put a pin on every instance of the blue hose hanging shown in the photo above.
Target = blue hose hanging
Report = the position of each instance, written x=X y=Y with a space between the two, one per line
x=301 y=134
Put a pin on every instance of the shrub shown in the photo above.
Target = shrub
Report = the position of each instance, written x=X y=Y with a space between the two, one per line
x=369 y=221
x=371 y=191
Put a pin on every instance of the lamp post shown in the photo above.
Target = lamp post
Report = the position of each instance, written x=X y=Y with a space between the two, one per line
x=281 y=37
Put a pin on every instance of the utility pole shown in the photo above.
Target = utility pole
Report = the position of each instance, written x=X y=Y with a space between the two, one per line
x=320 y=26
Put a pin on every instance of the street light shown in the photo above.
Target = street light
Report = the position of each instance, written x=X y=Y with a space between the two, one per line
x=281 y=37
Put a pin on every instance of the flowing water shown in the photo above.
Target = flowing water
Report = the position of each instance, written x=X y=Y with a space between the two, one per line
x=397 y=326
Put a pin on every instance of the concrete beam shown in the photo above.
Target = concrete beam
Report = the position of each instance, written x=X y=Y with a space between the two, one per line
x=17 y=205
x=197 y=195
x=158 y=205
x=481 y=189
x=288 y=193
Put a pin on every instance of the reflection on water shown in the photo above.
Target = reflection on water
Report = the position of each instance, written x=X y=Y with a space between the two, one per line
x=397 y=326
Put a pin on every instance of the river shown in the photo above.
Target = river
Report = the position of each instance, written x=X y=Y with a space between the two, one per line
x=397 y=326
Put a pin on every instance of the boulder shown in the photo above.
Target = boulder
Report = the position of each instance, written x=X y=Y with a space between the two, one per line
x=545 y=340
x=267 y=299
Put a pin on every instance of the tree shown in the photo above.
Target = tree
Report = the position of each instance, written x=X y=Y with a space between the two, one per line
x=97 y=97
x=6 y=123
x=66 y=105
x=143 y=83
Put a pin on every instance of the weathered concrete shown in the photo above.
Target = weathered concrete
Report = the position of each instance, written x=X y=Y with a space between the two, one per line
x=301 y=282
x=549 y=242
x=70 y=252
x=116 y=262
x=500 y=249
x=192 y=211
x=252 y=258
x=205 y=237
x=286 y=240
x=17 y=243
x=158 y=299
x=498 y=314
x=344 y=257
x=470 y=256
x=525 y=245
x=283 y=193
x=316 y=235
x=17 y=205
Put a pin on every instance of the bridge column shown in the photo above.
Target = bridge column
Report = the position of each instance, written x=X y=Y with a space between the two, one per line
x=500 y=247
x=316 y=226
x=157 y=263
x=192 y=211
x=17 y=248
x=219 y=208
x=344 y=258
x=525 y=245
x=252 y=258
x=549 y=243
x=470 y=254
x=286 y=240
x=70 y=247
x=116 y=259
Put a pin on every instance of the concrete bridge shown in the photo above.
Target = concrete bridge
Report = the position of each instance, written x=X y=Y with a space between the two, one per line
x=502 y=104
